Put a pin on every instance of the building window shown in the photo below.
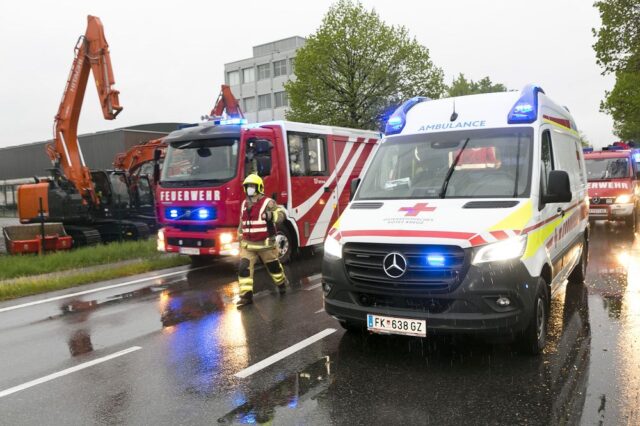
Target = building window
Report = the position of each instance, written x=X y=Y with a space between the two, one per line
x=249 y=104
x=281 y=99
x=292 y=65
x=279 y=68
x=248 y=75
x=264 y=101
x=264 y=71
x=233 y=77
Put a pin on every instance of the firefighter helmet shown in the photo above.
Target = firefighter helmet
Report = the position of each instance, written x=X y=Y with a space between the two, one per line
x=255 y=180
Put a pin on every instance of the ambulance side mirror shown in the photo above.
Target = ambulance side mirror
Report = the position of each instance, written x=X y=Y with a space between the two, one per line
x=558 y=188
x=353 y=188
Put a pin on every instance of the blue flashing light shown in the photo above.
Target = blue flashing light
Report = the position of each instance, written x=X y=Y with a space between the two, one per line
x=235 y=121
x=436 y=260
x=203 y=214
x=398 y=119
x=173 y=213
x=525 y=109
x=636 y=157
x=190 y=213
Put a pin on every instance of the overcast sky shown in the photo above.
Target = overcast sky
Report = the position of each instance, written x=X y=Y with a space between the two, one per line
x=168 y=60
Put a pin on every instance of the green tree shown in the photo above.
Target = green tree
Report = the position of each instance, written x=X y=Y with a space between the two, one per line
x=617 y=51
x=355 y=67
x=583 y=139
x=461 y=86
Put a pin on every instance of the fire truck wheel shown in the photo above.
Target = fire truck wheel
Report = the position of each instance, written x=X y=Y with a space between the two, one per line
x=631 y=221
x=285 y=244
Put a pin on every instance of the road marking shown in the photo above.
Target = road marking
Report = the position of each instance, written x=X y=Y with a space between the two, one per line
x=313 y=287
x=62 y=373
x=284 y=353
x=319 y=310
x=95 y=290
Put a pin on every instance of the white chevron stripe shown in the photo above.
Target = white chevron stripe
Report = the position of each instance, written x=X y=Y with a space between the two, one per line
x=304 y=208
x=320 y=230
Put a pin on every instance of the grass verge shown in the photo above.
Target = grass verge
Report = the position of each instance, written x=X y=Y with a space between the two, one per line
x=27 y=286
x=27 y=265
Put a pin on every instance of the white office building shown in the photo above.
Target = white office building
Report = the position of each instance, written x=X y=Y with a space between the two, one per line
x=258 y=82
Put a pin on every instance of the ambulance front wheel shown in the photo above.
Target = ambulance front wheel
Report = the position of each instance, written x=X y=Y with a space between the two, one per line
x=534 y=338
x=285 y=244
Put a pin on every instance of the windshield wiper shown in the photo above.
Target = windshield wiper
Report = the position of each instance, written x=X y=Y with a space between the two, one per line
x=445 y=184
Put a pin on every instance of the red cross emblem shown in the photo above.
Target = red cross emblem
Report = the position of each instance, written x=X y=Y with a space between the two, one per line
x=417 y=209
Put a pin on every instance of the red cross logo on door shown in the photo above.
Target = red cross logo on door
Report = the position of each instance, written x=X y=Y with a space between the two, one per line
x=417 y=209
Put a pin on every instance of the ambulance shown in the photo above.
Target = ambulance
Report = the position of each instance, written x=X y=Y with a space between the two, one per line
x=471 y=215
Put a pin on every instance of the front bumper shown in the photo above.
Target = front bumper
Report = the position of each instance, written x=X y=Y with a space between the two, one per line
x=610 y=211
x=214 y=242
x=469 y=307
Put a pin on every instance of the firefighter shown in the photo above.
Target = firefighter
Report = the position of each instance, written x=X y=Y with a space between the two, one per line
x=259 y=216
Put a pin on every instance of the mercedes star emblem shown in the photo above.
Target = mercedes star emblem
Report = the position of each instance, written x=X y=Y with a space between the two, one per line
x=394 y=265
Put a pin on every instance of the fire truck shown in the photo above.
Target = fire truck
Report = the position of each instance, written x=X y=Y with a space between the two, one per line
x=613 y=175
x=306 y=168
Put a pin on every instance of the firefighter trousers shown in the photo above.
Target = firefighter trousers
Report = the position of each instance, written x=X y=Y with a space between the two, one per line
x=248 y=259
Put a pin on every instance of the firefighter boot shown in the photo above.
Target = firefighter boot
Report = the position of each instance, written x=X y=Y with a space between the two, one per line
x=245 y=299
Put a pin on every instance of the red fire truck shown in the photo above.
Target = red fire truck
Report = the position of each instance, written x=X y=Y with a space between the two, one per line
x=306 y=168
x=614 y=184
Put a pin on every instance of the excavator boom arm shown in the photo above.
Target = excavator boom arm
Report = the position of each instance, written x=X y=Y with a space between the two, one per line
x=91 y=54
x=228 y=103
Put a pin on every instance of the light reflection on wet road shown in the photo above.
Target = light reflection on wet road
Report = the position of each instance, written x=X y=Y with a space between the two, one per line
x=194 y=341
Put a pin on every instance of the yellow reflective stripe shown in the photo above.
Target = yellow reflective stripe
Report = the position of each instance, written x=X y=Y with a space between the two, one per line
x=254 y=230
x=275 y=215
x=568 y=129
x=517 y=220
x=539 y=237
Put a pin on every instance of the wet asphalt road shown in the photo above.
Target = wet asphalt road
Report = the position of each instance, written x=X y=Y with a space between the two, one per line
x=184 y=343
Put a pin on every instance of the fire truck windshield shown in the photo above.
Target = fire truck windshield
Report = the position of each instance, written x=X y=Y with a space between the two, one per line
x=607 y=168
x=475 y=164
x=200 y=162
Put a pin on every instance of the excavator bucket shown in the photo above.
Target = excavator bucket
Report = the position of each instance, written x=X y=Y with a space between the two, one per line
x=23 y=239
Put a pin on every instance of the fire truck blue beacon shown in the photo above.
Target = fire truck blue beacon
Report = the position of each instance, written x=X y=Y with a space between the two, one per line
x=471 y=215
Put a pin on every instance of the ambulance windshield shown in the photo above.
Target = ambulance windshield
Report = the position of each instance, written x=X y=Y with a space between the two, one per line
x=200 y=162
x=491 y=163
x=607 y=168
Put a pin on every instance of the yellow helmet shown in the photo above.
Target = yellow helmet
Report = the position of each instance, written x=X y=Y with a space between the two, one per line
x=255 y=180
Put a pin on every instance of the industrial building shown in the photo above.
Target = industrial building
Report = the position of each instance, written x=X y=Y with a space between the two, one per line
x=18 y=164
x=258 y=82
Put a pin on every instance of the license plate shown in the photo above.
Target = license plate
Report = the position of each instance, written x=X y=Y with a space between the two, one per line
x=189 y=250
x=598 y=211
x=392 y=325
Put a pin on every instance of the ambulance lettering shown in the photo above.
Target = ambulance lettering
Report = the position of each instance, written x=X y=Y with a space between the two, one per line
x=566 y=227
x=460 y=125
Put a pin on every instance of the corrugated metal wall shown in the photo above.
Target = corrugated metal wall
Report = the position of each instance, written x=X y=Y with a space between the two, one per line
x=99 y=150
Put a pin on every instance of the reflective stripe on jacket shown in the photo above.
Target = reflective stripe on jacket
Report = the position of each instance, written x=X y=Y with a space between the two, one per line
x=254 y=228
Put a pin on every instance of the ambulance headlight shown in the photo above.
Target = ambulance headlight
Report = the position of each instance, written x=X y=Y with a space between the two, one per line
x=512 y=248
x=623 y=199
x=332 y=247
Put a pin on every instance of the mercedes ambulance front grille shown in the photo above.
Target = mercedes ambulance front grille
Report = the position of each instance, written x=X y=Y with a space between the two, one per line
x=364 y=265
x=191 y=242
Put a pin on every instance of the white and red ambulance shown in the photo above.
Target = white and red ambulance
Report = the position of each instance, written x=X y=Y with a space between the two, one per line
x=614 y=184
x=305 y=168
x=471 y=214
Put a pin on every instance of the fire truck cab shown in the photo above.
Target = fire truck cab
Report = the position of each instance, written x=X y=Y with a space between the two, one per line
x=305 y=168
x=614 y=184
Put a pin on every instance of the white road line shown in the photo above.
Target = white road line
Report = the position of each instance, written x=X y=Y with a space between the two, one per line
x=313 y=287
x=95 y=290
x=62 y=373
x=284 y=353
x=319 y=310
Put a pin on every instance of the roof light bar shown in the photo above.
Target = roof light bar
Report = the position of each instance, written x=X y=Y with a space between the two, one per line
x=525 y=109
x=230 y=121
x=398 y=119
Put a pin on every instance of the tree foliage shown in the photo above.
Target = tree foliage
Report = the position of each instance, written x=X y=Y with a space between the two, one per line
x=618 y=52
x=355 y=67
x=461 y=86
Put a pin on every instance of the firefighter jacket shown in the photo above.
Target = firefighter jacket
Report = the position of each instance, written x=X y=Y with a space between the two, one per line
x=254 y=227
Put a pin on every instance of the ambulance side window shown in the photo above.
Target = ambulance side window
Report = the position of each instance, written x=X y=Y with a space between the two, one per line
x=546 y=163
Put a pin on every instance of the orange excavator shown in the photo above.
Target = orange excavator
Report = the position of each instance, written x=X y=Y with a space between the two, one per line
x=93 y=205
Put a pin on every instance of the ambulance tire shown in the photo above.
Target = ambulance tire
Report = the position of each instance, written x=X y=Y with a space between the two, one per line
x=579 y=272
x=285 y=243
x=534 y=338
x=351 y=326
